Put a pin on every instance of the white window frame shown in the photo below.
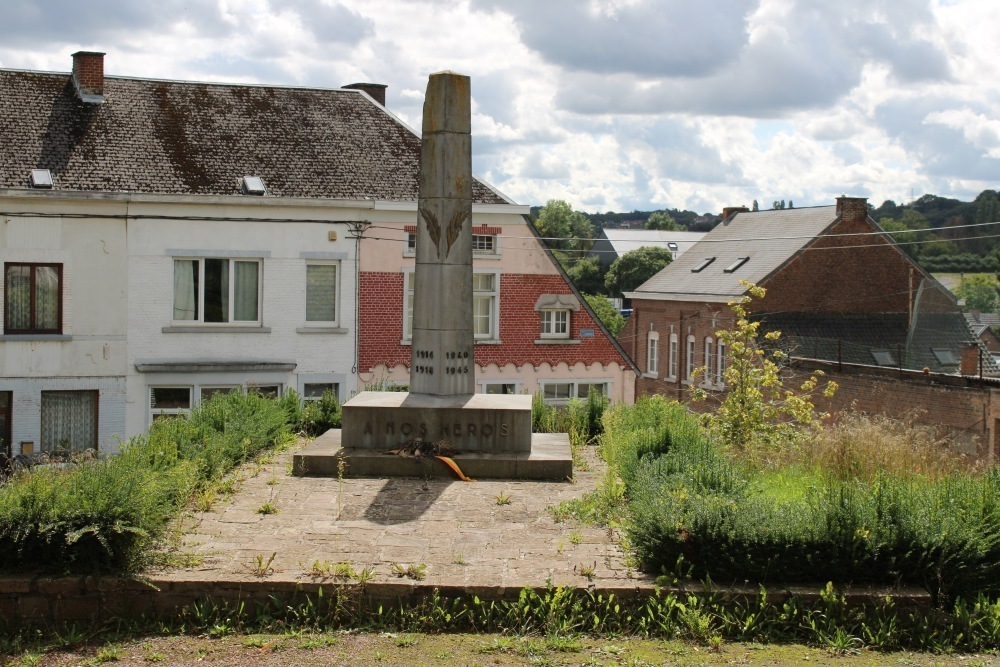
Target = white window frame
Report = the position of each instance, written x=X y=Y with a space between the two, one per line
x=203 y=387
x=672 y=357
x=492 y=336
x=334 y=386
x=231 y=321
x=336 y=294
x=485 y=384
x=652 y=353
x=154 y=412
x=493 y=244
x=574 y=387
x=690 y=361
x=720 y=365
x=709 y=356
x=551 y=325
x=494 y=309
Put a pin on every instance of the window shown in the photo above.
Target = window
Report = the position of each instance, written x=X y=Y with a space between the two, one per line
x=408 y=282
x=169 y=401
x=5 y=445
x=499 y=388
x=702 y=264
x=557 y=391
x=40 y=179
x=583 y=389
x=709 y=360
x=69 y=421
x=652 y=352
x=265 y=390
x=720 y=366
x=740 y=261
x=484 y=244
x=560 y=392
x=485 y=295
x=321 y=293
x=411 y=243
x=485 y=300
x=217 y=290
x=689 y=369
x=555 y=324
x=945 y=356
x=883 y=357
x=313 y=391
x=253 y=185
x=672 y=357
x=32 y=298
x=208 y=392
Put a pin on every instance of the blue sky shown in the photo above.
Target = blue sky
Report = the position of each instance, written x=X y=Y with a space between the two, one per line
x=609 y=104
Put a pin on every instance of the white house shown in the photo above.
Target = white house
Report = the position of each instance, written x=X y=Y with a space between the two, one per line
x=613 y=243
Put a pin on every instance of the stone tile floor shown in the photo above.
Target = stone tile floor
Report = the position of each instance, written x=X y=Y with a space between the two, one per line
x=458 y=530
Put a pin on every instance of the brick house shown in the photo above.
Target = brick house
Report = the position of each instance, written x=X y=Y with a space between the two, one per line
x=534 y=332
x=194 y=238
x=838 y=288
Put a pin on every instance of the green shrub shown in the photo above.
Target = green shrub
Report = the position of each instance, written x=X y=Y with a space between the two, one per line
x=691 y=502
x=106 y=514
x=320 y=416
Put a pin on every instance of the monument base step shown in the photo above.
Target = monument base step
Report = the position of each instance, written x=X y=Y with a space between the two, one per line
x=550 y=459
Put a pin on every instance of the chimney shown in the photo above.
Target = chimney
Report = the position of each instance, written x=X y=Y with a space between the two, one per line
x=88 y=76
x=730 y=211
x=970 y=360
x=376 y=91
x=852 y=209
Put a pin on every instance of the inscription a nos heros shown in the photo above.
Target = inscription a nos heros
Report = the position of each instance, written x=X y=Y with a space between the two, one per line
x=446 y=430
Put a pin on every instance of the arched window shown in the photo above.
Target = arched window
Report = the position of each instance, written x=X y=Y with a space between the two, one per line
x=720 y=366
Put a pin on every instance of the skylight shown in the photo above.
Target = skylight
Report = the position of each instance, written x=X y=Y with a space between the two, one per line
x=254 y=185
x=671 y=246
x=945 y=356
x=883 y=357
x=740 y=261
x=702 y=264
x=40 y=178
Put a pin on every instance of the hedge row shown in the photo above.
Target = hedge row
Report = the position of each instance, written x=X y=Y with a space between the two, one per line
x=695 y=510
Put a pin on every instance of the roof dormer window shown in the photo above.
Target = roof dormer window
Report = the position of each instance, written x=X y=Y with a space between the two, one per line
x=40 y=179
x=702 y=265
x=254 y=185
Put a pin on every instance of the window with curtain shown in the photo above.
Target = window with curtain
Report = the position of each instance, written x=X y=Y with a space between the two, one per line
x=69 y=421
x=216 y=290
x=321 y=293
x=33 y=298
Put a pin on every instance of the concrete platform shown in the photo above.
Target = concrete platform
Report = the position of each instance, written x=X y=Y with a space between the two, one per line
x=550 y=459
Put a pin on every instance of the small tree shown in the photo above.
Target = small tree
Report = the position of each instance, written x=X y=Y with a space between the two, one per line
x=981 y=292
x=663 y=221
x=634 y=268
x=606 y=312
x=756 y=411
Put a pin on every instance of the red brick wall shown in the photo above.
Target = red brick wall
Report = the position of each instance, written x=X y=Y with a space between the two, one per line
x=700 y=320
x=381 y=325
x=954 y=403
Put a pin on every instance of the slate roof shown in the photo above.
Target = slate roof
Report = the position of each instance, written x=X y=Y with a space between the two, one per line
x=816 y=335
x=174 y=137
x=767 y=238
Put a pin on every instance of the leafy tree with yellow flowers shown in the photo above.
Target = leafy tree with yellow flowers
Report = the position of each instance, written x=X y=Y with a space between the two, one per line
x=756 y=412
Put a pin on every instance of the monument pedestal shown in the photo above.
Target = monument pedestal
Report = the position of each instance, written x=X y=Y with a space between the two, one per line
x=550 y=459
x=487 y=435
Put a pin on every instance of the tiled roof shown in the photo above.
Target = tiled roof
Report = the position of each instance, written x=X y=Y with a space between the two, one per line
x=854 y=338
x=982 y=321
x=767 y=238
x=176 y=137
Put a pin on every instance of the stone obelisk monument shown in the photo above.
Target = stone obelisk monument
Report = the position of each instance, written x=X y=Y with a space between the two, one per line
x=442 y=355
x=390 y=433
